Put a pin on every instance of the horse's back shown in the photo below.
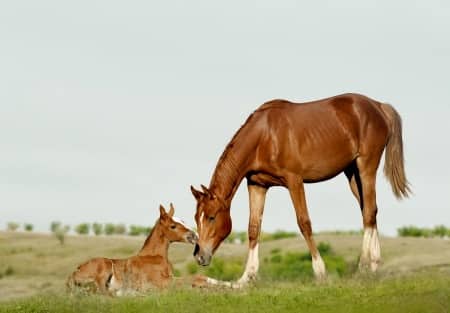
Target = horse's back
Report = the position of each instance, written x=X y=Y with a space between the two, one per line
x=318 y=139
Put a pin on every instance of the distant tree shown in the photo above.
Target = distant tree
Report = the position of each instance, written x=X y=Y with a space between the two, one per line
x=109 y=229
x=28 y=227
x=59 y=231
x=120 y=229
x=440 y=231
x=54 y=226
x=82 y=229
x=97 y=229
x=12 y=226
x=134 y=230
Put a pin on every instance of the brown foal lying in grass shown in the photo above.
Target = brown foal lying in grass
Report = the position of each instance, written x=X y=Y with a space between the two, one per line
x=149 y=268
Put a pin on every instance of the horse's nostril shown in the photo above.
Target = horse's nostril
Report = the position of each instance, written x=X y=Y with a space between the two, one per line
x=196 y=249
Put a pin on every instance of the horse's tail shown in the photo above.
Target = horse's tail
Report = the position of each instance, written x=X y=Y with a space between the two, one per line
x=394 y=162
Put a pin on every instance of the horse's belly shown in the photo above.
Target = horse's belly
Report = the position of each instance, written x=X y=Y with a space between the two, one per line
x=325 y=164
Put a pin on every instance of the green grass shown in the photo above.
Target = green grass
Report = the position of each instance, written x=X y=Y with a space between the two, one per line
x=421 y=292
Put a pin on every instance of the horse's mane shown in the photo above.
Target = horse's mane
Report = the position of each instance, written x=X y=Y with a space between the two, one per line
x=231 y=143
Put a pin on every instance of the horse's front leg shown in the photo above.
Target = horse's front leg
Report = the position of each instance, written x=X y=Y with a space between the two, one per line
x=257 y=197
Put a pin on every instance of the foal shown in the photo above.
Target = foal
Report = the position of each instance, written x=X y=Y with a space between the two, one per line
x=149 y=266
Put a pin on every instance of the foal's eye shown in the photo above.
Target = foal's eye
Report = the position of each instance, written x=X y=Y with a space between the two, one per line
x=173 y=226
x=211 y=218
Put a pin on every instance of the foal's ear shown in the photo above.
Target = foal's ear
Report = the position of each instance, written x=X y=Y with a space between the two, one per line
x=172 y=210
x=197 y=194
x=162 y=211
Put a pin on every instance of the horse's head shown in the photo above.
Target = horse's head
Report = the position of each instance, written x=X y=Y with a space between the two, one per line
x=174 y=229
x=213 y=224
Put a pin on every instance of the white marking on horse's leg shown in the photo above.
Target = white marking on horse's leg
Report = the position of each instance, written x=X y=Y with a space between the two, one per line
x=215 y=282
x=251 y=268
x=318 y=266
x=375 y=251
x=365 y=252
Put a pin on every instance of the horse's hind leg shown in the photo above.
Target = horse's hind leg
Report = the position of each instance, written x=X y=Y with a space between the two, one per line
x=297 y=192
x=257 y=196
x=354 y=180
x=370 y=254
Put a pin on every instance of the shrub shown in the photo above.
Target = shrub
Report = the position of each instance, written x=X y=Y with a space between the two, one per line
x=109 y=229
x=222 y=269
x=136 y=230
x=59 y=231
x=440 y=231
x=279 y=234
x=54 y=226
x=192 y=268
x=9 y=271
x=120 y=229
x=97 y=229
x=12 y=226
x=229 y=269
x=413 y=231
x=82 y=229
x=28 y=227
x=236 y=237
x=296 y=265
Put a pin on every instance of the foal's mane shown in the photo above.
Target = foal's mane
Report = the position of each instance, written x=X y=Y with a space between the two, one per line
x=150 y=235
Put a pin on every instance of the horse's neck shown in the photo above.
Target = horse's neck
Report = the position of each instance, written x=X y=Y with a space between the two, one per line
x=156 y=243
x=234 y=163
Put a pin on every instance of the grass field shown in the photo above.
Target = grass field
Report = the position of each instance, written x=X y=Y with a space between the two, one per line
x=414 y=277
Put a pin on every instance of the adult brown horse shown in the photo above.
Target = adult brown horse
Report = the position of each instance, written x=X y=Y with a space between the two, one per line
x=289 y=144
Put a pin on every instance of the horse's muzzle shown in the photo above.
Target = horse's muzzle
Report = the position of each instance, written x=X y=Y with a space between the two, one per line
x=201 y=257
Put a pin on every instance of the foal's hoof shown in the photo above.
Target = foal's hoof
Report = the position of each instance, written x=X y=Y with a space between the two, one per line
x=199 y=281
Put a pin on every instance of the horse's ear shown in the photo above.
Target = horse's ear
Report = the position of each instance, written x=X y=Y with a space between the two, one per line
x=171 y=210
x=205 y=189
x=162 y=211
x=197 y=194
x=208 y=192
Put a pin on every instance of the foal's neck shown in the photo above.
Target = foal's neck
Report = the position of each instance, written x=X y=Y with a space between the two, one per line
x=156 y=243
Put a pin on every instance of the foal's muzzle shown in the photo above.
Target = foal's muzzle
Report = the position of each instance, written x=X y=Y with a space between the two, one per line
x=192 y=237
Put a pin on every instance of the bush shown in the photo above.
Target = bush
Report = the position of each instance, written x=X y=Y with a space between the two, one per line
x=296 y=265
x=440 y=231
x=236 y=237
x=279 y=234
x=82 y=229
x=222 y=269
x=59 y=231
x=136 y=230
x=413 y=231
x=109 y=229
x=54 y=226
x=28 y=227
x=120 y=229
x=97 y=229
x=12 y=226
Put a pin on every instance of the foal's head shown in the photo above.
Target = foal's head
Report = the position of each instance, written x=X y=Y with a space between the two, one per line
x=213 y=224
x=173 y=228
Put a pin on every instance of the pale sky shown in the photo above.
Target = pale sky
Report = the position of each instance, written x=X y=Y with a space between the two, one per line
x=109 y=108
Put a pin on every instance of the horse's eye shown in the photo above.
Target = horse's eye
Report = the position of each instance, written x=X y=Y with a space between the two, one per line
x=173 y=226
x=211 y=218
